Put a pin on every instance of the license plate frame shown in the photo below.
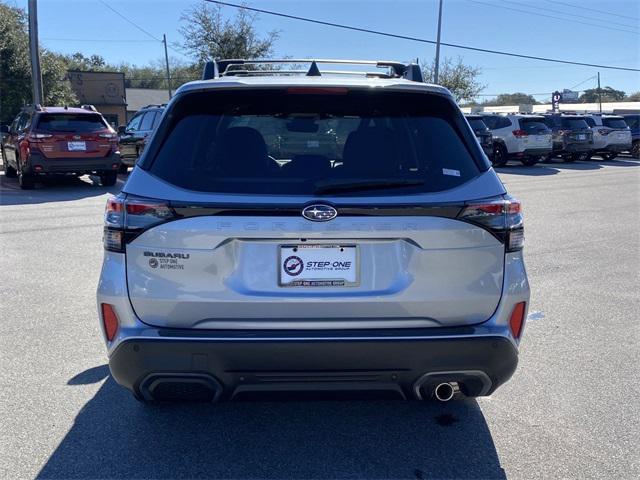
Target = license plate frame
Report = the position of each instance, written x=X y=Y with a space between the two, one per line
x=77 y=146
x=322 y=276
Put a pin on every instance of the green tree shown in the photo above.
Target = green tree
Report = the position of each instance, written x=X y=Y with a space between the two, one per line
x=15 y=68
x=608 y=95
x=461 y=80
x=94 y=63
x=517 y=98
x=208 y=34
x=633 y=97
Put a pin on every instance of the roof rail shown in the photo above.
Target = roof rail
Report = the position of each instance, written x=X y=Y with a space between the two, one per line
x=154 y=105
x=91 y=108
x=219 y=68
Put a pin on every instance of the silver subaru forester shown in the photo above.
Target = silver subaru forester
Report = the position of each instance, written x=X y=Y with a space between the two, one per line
x=325 y=231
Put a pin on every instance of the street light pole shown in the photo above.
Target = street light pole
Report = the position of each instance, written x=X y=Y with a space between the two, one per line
x=436 y=70
x=166 y=60
x=36 y=75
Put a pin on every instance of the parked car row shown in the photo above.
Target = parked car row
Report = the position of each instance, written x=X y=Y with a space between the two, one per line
x=534 y=138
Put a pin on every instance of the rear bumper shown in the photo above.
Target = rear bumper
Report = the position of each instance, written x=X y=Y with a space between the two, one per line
x=575 y=147
x=615 y=147
x=72 y=165
x=532 y=152
x=238 y=364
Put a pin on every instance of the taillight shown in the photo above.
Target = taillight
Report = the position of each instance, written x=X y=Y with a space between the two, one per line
x=502 y=217
x=516 y=321
x=520 y=133
x=125 y=217
x=38 y=137
x=109 y=320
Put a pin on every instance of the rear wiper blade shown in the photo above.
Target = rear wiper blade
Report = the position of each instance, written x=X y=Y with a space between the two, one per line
x=327 y=187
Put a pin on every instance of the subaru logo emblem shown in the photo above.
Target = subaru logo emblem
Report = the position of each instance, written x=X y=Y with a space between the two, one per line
x=319 y=213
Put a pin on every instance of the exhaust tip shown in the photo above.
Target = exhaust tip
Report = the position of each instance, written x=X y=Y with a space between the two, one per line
x=445 y=391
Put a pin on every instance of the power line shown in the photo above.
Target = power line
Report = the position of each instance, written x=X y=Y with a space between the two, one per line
x=577 y=15
x=129 y=21
x=137 y=26
x=103 y=40
x=501 y=6
x=582 y=7
x=421 y=40
x=584 y=81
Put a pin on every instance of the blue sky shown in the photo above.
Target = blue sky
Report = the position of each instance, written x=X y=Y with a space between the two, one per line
x=90 y=27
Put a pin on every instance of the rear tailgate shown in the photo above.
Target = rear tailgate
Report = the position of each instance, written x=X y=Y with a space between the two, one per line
x=73 y=135
x=234 y=250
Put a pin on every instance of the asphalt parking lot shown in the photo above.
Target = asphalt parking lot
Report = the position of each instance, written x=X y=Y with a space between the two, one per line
x=571 y=410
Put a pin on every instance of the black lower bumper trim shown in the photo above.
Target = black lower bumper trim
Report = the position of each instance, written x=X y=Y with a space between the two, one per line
x=241 y=365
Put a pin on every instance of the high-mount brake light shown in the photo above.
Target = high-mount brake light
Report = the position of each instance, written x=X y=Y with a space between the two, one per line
x=318 y=90
x=502 y=217
x=127 y=216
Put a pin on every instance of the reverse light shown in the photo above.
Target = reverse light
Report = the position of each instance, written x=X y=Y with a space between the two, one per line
x=516 y=321
x=109 y=320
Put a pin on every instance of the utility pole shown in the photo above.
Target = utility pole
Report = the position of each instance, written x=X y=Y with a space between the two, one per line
x=166 y=61
x=36 y=75
x=599 y=93
x=436 y=70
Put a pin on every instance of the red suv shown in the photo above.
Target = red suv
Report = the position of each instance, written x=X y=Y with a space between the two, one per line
x=60 y=140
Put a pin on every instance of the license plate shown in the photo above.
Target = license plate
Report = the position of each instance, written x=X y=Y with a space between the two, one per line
x=318 y=266
x=582 y=136
x=76 y=146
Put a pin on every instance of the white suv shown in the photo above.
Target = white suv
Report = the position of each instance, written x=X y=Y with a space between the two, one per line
x=389 y=259
x=611 y=135
x=522 y=137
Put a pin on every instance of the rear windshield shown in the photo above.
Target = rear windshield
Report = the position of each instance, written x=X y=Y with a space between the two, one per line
x=574 y=123
x=534 y=125
x=294 y=142
x=68 y=122
x=551 y=122
x=614 y=123
x=477 y=123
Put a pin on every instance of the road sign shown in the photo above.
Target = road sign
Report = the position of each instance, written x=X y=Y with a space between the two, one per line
x=556 y=98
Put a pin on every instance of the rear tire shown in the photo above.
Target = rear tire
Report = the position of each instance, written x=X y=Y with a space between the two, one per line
x=9 y=171
x=500 y=158
x=635 y=149
x=25 y=180
x=109 y=179
x=530 y=161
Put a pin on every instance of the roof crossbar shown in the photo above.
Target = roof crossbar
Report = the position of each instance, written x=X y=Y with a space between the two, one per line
x=219 y=68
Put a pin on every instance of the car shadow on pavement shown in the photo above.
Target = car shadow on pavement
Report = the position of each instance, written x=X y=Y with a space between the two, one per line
x=114 y=436
x=54 y=190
